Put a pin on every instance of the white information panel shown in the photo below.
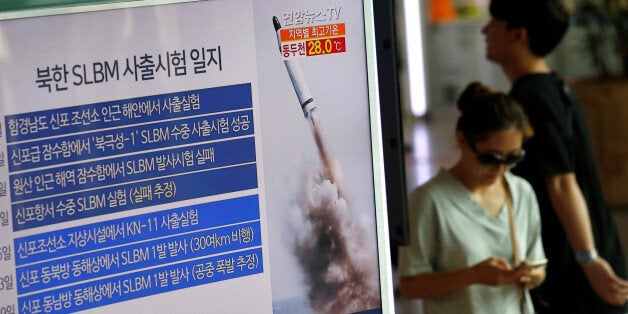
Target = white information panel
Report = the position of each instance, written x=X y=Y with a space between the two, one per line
x=191 y=157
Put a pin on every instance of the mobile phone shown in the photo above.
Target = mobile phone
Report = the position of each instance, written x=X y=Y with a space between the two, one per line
x=535 y=263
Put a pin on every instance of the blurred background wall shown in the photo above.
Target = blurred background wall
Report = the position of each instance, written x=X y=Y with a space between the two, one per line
x=447 y=36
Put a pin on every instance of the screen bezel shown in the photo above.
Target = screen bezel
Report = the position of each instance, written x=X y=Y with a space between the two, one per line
x=47 y=8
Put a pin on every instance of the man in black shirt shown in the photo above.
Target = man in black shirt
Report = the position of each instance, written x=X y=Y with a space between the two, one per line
x=586 y=271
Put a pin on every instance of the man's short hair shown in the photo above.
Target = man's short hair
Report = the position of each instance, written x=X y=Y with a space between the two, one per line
x=546 y=21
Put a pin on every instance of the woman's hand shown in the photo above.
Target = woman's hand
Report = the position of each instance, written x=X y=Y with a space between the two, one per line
x=496 y=271
x=531 y=277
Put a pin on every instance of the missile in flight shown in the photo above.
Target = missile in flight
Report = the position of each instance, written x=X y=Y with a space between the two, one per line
x=296 y=76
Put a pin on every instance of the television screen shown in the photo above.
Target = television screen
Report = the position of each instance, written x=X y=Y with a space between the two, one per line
x=192 y=156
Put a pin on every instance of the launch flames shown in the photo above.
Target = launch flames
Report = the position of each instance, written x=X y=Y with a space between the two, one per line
x=339 y=266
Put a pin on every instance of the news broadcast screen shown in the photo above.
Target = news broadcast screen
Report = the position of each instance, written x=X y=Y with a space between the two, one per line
x=192 y=157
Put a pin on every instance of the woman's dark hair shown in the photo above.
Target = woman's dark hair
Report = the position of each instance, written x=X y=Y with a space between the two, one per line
x=546 y=21
x=484 y=111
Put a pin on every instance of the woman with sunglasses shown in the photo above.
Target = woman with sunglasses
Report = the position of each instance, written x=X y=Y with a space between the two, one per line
x=475 y=226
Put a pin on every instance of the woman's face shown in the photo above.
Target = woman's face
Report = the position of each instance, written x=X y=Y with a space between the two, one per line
x=488 y=159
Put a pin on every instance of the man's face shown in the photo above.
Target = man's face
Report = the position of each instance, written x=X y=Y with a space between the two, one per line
x=498 y=39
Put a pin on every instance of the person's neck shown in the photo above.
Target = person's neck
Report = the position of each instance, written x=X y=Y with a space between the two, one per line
x=525 y=66
x=474 y=187
x=491 y=197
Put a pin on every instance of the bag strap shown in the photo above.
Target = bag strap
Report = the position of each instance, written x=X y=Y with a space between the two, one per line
x=515 y=244
x=513 y=230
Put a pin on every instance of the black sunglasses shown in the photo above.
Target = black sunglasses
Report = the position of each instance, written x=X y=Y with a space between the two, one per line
x=491 y=159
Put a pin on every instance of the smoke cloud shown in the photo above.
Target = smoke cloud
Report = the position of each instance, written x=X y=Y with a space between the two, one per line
x=331 y=246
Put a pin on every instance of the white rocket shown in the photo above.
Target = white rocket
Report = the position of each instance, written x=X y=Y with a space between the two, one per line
x=296 y=76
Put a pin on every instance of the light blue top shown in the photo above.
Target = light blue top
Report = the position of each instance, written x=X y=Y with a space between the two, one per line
x=450 y=231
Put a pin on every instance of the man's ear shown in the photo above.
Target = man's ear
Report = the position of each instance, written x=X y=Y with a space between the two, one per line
x=520 y=34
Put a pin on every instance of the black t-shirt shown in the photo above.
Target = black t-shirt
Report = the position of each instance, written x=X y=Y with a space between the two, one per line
x=561 y=145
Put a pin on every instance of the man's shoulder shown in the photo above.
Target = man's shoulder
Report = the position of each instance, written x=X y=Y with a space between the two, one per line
x=540 y=91
x=536 y=83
